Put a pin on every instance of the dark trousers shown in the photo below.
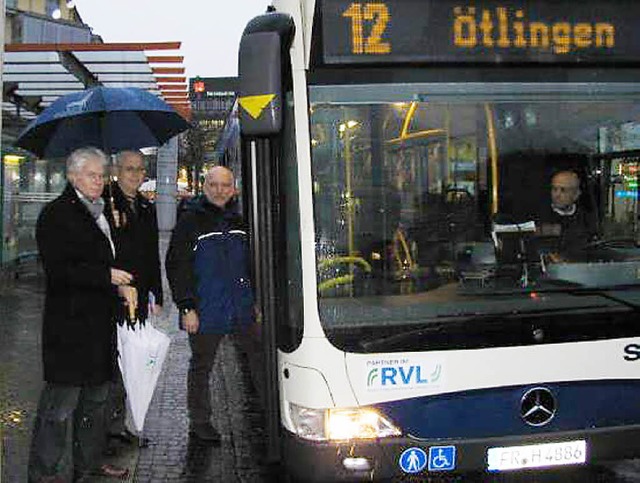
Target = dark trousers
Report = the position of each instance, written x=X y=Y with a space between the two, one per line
x=116 y=409
x=68 y=435
x=204 y=348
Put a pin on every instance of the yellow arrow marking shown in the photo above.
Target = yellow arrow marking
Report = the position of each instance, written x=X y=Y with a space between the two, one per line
x=255 y=104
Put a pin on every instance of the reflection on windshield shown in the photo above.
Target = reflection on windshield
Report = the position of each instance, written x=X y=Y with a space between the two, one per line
x=454 y=201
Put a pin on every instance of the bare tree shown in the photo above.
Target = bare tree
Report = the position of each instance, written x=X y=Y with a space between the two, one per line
x=195 y=151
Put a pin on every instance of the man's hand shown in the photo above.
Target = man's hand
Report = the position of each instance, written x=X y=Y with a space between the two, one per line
x=130 y=296
x=120 y=277
x=191 y=322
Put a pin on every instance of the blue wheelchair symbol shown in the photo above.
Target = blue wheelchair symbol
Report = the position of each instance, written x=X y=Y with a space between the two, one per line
x=442 y=458
x=413 y=460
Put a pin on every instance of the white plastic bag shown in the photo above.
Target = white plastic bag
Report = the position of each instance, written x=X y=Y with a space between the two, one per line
x=141 y=353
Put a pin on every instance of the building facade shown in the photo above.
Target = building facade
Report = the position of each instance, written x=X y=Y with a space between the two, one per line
x=212 y=100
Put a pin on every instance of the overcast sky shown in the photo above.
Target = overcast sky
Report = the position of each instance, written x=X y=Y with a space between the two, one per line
x=209 y=30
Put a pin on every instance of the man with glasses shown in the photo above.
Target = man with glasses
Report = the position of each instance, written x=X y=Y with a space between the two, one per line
x=566 y=221
x=78 y=330
x=134 y=226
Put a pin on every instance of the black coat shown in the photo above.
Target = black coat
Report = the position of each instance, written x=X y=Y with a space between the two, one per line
x=136 y=239
x=78 y=333
x=571 y=233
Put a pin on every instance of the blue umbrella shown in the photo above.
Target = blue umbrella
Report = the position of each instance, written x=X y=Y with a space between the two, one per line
x=109 y=118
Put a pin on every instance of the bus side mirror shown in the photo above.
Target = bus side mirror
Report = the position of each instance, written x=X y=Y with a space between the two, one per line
x=260 y=88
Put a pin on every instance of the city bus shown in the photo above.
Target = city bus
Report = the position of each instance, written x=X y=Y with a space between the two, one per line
x=423 y=313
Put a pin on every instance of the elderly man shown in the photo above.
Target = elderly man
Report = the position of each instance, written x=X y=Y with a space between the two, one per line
x=565 y=220
x=78 y=332
x=208 y=268
x=134 y=228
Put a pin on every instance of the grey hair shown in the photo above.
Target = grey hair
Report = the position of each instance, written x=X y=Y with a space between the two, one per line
x=78 y=158
x=123 y=154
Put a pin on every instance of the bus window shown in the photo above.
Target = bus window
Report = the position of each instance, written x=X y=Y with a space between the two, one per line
x=427 y=207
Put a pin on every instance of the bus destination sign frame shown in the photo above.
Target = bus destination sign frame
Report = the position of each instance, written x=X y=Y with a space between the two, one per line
x=487 y=31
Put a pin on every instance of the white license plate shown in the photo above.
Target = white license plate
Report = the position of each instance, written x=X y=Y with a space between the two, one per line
x=537 y=455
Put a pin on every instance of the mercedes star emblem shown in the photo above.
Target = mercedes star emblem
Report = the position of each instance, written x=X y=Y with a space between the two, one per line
x=538 y=406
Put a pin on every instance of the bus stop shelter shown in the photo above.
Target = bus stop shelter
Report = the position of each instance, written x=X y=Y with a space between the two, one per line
x=35 y=75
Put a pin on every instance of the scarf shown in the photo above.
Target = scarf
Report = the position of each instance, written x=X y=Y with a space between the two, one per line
x=95 y=207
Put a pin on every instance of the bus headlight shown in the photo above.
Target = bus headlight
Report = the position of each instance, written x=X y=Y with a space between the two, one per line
x=359 y=423
x=341 y=424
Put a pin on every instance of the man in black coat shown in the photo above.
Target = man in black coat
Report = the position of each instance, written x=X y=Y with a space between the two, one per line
x=134 y=228
x=565 y=223
x=78 y=332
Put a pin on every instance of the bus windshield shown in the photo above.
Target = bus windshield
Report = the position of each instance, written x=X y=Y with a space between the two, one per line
x=443 y=204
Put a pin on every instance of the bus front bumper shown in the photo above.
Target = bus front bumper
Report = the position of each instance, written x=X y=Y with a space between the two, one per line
x=381 y=459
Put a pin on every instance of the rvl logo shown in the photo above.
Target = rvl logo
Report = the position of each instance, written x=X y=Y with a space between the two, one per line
x=401 y=376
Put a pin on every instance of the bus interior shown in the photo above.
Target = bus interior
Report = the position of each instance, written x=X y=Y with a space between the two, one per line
x=429 y=204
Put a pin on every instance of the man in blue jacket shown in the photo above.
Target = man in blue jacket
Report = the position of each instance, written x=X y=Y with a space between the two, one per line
x=208 y=270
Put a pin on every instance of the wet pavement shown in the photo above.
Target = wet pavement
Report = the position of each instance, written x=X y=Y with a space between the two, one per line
x=20 y=374
x=171 y=455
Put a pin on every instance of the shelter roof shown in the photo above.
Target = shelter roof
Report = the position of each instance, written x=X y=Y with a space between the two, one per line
x=36 y=74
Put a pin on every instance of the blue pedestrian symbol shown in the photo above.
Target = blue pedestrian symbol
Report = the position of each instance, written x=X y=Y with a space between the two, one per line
x=442 y=458
x=413 y=460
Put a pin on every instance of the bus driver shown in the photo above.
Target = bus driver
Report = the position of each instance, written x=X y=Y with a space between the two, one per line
x=564 y=221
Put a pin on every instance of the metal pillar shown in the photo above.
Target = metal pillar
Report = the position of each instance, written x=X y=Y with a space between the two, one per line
x=167 y=184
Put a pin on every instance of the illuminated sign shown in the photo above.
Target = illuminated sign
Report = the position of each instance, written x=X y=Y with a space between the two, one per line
x=627 y=194
x=483 y=31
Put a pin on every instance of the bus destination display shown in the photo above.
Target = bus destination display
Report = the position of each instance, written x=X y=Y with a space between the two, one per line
x=484 y=31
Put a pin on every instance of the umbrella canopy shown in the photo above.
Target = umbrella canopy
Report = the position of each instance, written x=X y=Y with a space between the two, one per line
x=109 y=118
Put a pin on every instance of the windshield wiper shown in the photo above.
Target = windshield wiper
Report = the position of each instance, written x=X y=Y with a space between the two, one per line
x=432 y=328
x=448 y=325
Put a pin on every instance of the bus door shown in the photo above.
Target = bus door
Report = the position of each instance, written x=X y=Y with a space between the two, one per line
x=261 y=62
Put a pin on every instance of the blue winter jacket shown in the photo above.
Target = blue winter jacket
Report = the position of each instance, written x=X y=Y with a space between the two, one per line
x=208 y=267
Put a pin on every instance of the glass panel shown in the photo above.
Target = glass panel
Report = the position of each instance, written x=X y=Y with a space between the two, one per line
x=28 y=185
x=443 y=207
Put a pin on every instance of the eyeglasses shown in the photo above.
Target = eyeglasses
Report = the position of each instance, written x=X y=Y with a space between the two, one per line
x=133 y=169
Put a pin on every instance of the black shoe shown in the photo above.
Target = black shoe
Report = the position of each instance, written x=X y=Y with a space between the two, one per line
x=205 y=432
